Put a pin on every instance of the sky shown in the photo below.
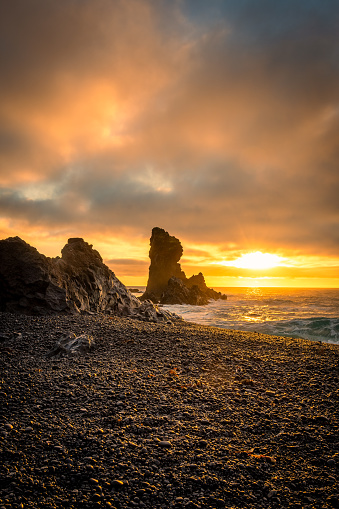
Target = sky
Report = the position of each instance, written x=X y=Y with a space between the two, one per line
x=216 y=120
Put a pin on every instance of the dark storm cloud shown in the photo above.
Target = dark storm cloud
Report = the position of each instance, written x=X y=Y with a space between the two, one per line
x=219 y=119
x=38 y=212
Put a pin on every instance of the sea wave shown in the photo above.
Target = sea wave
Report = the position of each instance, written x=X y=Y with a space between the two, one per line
x=316 y=329
x=301 y=313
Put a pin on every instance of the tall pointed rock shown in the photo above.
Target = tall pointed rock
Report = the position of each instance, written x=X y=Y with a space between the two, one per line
x=167 y=283
x=165 y=253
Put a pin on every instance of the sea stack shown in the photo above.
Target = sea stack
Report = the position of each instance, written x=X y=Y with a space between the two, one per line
x=165 y=253
x=167 y=282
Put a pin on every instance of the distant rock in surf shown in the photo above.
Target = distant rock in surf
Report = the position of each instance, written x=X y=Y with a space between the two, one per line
x=177 y=292
x=78 y=282
x=167 y=283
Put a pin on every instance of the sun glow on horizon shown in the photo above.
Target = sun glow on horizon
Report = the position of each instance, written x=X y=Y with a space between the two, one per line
x=256 y=261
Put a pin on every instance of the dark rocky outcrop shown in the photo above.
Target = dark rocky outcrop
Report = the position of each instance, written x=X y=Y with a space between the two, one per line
x=28 y=281
x=78 y=282
x=176 y=292
x=167 y=283
x=165 y=253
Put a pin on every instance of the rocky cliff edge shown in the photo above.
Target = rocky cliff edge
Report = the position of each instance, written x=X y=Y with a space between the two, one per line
x=76 y=282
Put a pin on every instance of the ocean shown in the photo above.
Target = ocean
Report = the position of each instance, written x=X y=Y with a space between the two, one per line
x=295 y=312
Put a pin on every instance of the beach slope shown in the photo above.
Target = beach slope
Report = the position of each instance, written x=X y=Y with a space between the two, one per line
x=165 y=415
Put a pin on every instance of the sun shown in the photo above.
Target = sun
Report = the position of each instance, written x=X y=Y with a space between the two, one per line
x=257 y=260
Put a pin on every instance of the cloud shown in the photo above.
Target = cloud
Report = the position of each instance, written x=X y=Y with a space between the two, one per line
x=218 y=121
x=126 y=261
x=127 y=267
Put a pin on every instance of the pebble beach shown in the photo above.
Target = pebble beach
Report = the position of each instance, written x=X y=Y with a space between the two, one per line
x=165 y=415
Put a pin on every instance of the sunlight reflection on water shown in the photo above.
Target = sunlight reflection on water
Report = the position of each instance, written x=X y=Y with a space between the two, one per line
x=277 y=311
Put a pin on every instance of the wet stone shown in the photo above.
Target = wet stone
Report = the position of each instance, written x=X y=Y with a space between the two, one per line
x=117 y=484
x=165 y=443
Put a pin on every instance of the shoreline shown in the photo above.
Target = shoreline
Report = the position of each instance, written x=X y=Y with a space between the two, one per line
x=301 y=314
x=166 y=415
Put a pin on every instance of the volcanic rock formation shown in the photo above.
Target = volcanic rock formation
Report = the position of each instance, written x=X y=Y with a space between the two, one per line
x=177 y=292
x=165 y=253
x=167 y=283
x=78 y=282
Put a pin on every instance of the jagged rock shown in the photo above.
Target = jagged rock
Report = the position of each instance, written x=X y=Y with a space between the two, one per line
x=176 y=292
x=78 y=282
x=199 y=281
x=70 y=344
x=27 y=281
x=90 y=285
x=167 y=283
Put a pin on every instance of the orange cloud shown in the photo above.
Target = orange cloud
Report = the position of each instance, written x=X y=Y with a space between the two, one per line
x=221 y=128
